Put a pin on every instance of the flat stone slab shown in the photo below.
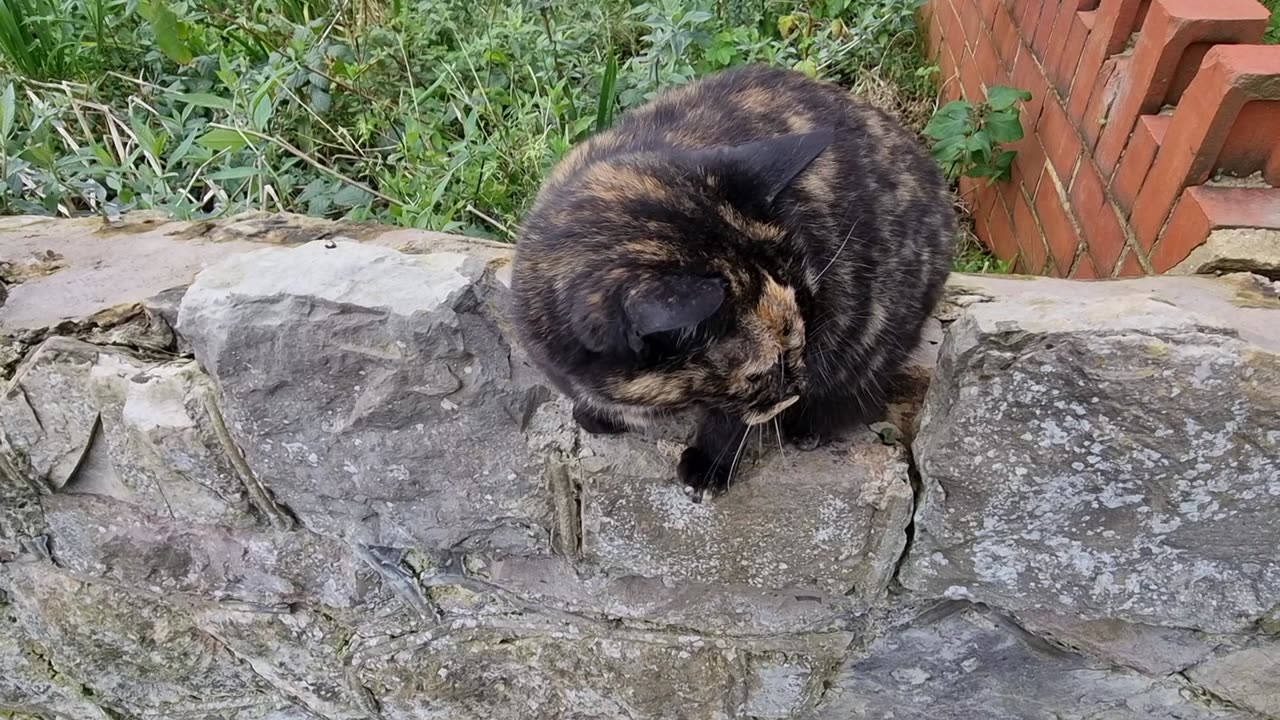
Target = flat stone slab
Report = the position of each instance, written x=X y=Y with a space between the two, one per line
x=371 y=392
x=1106 y=450
x=970 y=664
x=70 y=270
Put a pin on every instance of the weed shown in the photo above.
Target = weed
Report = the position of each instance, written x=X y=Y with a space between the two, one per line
x=968 y=138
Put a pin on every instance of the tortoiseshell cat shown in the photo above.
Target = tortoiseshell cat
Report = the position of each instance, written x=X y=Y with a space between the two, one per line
x=755 y=246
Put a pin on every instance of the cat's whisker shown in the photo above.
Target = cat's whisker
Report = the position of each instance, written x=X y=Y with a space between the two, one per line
x=778 y=427
x=733 y=469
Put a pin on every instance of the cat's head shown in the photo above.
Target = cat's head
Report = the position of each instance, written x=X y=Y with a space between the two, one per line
x=678 y=294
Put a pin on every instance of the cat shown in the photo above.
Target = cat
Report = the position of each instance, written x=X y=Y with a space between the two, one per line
x=756 y=246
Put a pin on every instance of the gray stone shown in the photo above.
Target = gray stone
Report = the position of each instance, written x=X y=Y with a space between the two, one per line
x=31 y=684
x=85 y=419
x=969 y=665
x=1249 y=676
x=523 y=670
x=834 y=519
x=105 y=540
x=302 y=654
x=1254 y=250
x=1149 y=649
x=130 y=651
x=115 y=282
x=739 y=611
x=1106 y=450
x=366 y=418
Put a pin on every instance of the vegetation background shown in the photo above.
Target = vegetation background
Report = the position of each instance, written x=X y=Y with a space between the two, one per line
x=440 y=114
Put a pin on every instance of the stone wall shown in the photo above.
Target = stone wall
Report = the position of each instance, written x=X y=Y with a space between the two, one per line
x=276 y=468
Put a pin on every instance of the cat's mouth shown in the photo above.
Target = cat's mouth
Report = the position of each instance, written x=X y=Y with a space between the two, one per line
x=756 y=418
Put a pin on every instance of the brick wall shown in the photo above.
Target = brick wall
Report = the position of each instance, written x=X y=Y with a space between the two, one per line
x=1145 y=114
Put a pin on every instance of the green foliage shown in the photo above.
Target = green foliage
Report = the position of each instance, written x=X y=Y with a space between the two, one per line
x=1272 y=36
x=428 y=113
x=973 y=258
x=969 y=139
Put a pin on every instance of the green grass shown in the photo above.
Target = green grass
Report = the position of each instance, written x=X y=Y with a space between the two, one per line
x=441 y=114
x=1272 y=36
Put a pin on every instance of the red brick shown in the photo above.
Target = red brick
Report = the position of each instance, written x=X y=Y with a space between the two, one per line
x=1005 y=36
x=952 y=30
x=1188 y=228
x=1044 y=27
x=1110 y=27
x=971 y=79
x=971 y=20
x=1171 y=27
x=1130 y=267
x=985 y=57
x=1186 y=71
x=932 y=24
x=1231 y=76
x=1027 y=75
x=1025 y=15
x=1237 y=207
x=1253 y=140
x=1063 y=12
x=1087 y=191
x=949 y=79
x=987 y=11
x=1101 y=99
x=1032 y=252
x=1084 y=269
x=1106 y=236
x=1028 y=166
x=1002 y=241
x=1055 y=221
x=1137 y=159
x=1061 y=143
x=1064 y=71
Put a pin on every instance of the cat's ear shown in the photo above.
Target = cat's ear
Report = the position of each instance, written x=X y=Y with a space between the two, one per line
x=652 y=306
x=771 y=164
x=672 y=303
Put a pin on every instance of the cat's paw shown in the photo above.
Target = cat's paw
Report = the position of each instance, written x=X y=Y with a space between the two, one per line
x=807 y=442
x=701 y=476
x=595 y=423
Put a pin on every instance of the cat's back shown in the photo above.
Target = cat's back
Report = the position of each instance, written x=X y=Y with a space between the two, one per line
x=732 y=107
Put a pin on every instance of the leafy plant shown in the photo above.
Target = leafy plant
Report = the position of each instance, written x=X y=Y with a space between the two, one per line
x=442 y=114
x=968 y=139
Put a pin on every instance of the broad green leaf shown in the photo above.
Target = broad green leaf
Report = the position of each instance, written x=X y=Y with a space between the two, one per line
x=205 y=100
x=1004 y=126
x=222 y=139
x=235 y=173
x=979 y=147
x=941 y=127
x=949 y=149
x=262 y=107
x=1003 y=98
x=351 y=196
x=8 y=111
x=164 y=23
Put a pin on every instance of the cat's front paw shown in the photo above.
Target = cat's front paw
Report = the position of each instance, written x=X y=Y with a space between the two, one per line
x=702 y=476
x=810 y=441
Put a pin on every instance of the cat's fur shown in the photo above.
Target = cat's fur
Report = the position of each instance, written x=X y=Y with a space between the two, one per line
x=749 y=239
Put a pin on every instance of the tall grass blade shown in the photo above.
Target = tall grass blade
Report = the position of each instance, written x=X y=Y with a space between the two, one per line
x=608 y=93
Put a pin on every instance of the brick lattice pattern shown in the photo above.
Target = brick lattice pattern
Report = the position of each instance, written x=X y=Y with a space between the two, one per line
x=1153 y=124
